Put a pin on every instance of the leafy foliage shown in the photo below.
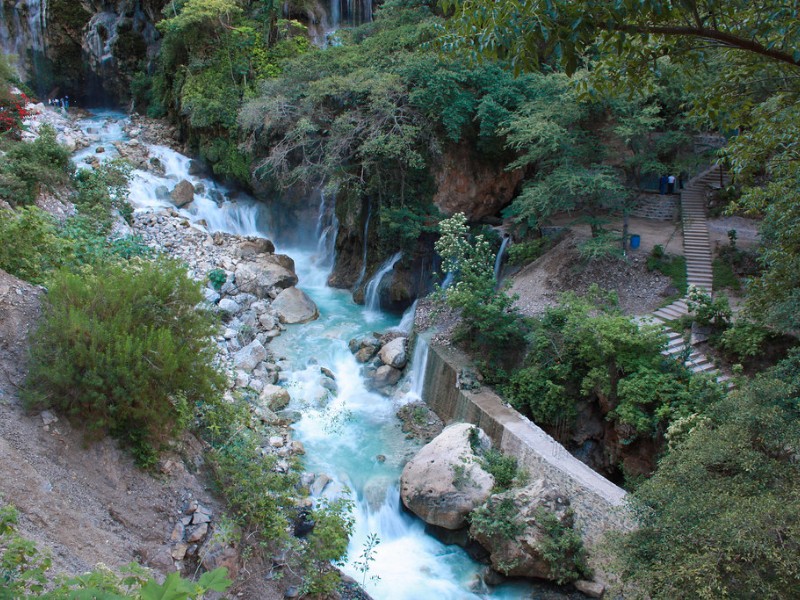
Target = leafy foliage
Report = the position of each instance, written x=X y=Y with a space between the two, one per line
x=718 y=518
x=562 y=547
x=587 y=350
x=488 y=319
x=29 y=167
x=124 y=349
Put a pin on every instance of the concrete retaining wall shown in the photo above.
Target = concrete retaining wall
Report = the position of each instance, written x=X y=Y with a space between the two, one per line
x=657 y=207
x=599 y=505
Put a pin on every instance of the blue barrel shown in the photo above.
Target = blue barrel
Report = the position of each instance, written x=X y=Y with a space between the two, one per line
x=635 y=239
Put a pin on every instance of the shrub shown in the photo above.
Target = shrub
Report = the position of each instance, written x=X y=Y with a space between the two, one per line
x=526 y=252
x=29 y=166
x=562 y=548
x=217 y=277
x=123 y=348
x=673 y=267
x=30 y=246
x=745 y=339
x=714 y=312
x=503 y=468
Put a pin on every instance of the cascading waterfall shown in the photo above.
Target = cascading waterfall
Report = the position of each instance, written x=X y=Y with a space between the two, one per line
x=349 y=12
x=372 y=297
x=351 y=436
x=419 y=363
x=407 y=320
x=498 y=262
x=23 y=33
x=364 y=251
x=327 y=229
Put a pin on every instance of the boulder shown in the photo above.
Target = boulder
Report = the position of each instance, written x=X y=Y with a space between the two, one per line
x=182 y=194
x=365 y=354
x=294 y=306
x=248 y=357
x=254 y=246
x=229 y=306
x=593 y=589
x=276 y=397
x=444 y=482
x=394 y=353
x=385 y=376
x=260 y=274
x=520 y=555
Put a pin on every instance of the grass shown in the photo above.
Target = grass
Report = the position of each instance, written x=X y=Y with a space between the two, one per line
x=673 y=267
x=724 y=276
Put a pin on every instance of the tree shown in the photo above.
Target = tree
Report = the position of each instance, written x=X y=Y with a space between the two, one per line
x=720 y=518
x=636 y=31
x=739 y=62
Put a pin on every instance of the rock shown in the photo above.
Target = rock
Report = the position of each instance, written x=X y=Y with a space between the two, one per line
x=385 y=376
x=177 y=532
x=196 y=167
x=297 y=447
x=520 y=555
x=179 y=551
x=221 y=550
x=162 y=192
x=444 y=481
x=275 y=397
x=198 y=533
x=229 y=306
x=267 y=321
x=100 y=150
x=292 y=592
x=593 y=589
x=182 y=194
x=319 y=485
x=294 y=306
x=48 y=418
x=248 y=357
x=260 y=275
x=394 y=353
x=254 y=246
x=199 y=518
x=365 y=354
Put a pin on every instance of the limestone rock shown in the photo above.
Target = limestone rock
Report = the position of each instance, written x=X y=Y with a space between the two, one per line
x=593 y=589
x=264 y=272
x=182 y=194
x=385 y=376
x=248 y=357
x=394 y=353
x=365 y=354
x=520 y=556
x=276 y=397
x=294 y=306
x=444 y=482
x=229 y=306
x=221 y=550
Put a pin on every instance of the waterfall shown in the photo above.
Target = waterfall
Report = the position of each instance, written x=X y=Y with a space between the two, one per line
x=498 y=263
x=372 y=298
x=419 y=363
x=23 y=33
x=407 y=320
x=364 y=251
x=327 y=229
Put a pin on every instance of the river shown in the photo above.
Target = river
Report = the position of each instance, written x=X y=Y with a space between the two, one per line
x=353 y=437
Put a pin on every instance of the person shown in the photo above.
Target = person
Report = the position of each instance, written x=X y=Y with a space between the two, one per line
x=671 y=184
x=662 y=185
x=66 y=102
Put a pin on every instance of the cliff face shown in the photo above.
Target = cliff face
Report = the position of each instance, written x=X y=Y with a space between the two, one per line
x=476 y=187
x=87 y=49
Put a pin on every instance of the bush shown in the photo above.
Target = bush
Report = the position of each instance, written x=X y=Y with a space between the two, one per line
x=673 y=267
x=526 y=252
x=30 y=246
x=29 y=166
x=562 y=548
x=124 y=349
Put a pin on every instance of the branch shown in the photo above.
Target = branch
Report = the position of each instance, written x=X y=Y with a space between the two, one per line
x=728 y=39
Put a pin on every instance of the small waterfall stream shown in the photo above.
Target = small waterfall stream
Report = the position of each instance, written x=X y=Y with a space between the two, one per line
x=372 y=297
x=364 y=251
x=23 y=27
x=353 y=435
x=327 y=229
x=498 y=262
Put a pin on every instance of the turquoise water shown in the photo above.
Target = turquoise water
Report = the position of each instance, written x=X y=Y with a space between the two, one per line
x=343 y=433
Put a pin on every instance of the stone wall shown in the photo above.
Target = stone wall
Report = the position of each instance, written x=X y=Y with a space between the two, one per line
x=657 y=207
x=599 y=505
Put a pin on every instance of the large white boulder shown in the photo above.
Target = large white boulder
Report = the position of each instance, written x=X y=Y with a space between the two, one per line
x=394 y=353
x=294 y=306
x=444 y=482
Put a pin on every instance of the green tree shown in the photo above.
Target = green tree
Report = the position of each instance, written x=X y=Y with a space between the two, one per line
x=719 y=518
x=489 y=321
x=123 y=348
